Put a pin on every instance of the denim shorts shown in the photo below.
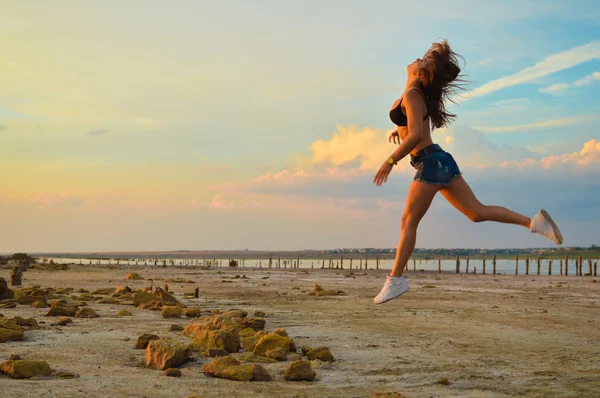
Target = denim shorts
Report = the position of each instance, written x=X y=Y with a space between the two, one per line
x=434 y=166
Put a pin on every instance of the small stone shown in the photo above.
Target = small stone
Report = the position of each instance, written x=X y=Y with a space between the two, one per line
x=59 y=310
x=65 y=375
x=10 y=331
x=144 y=339
x=321 y=353
x=259 y=373
x=133 y=276
x=176 y=327
x=124 y=313
x=87 y=312
x=22 y=369
x=259 y=314
x=171 y=312
x=14 y=357
x=39 y=304
x=29 y=322
x=120 y=290
x=173 y=372
x=277 y=353
x=215 y=352
x=444 y=381
x=63 y=321
x=305 y=349
x=326 y=293
x=249 y=357
x=299 y=370
x=162 y=354
x=271 y=341
x=192 y=312
x=225 y=339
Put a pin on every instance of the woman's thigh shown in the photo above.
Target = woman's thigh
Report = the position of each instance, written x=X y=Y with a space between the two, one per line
x=419 y=198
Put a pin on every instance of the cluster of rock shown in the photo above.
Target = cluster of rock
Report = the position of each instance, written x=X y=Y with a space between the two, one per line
x=222 y=334
x=319 y=291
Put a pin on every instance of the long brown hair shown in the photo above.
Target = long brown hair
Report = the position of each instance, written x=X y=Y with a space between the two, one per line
x=441 y=80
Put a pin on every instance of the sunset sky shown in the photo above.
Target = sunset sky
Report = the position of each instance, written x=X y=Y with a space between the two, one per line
x=198 y=125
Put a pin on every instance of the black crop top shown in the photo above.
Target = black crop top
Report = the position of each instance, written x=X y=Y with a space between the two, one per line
x=399 y=118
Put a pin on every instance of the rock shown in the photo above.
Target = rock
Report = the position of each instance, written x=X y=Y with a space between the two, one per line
x=271 y=341
x=120 y=290
x=28 y=300
x=215 y=352
x=321 y=353
x=173 y=372
x=176 y=327
x=142 y=298
x=317 y=288
x=259 y=373
x=109 y=300
x=60 y=310
x=107 y=290
x=259 y=314
x=124 y=313
x=277 y=353
x=192 y=312
x=14 y=357
x=326 y=293
x=280 y=332
x=249 y=357
x=10 y=331
x=65 y=375
x=224 y=339
x=39 y=304
x=86 y=312
x=162 y=354
x=167 y=298
x=305 y=349
x=237 y=373
x=144 y=339
x=171 y=312
x=254 y=323
x=216 y=366
x=250 y=342
x=22 y=369
x=64 y=290
x=16 y=276
x=444 y=381
x=133 y=276
x=63 y=321
x=299 y=370
x=8 y=304
x=30 y=322
x=5 y=291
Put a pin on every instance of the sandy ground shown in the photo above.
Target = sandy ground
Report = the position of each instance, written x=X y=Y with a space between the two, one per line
x=489 y=335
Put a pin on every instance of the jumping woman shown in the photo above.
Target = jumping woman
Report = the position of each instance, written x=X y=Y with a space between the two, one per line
x=430 y=83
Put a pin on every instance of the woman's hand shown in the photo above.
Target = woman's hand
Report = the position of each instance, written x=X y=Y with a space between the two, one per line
x=383 y=173
x=394 y=137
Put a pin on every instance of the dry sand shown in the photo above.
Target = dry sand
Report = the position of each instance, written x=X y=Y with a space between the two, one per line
x=489 y=335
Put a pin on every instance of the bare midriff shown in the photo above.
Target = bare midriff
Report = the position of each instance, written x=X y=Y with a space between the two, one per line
x=425 y=141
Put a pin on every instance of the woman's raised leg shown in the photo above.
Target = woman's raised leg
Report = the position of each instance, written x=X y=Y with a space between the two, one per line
x=460 y=195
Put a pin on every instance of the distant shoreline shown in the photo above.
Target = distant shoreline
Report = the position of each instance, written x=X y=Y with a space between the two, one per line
x=591 y=252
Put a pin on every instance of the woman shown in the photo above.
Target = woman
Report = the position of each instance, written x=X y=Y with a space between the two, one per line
x=430 y=82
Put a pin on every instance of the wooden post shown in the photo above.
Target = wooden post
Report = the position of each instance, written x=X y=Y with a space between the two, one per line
x=377 y=262
x=366 y=258
x=596 y=268
x=350 y=262
x=527 y=266
x=270 y=262
x=474 y=270
x=580 y=267
x=342 y=262
x=566 y=265
x=539 y=264
x=323 y=266
x=298 y=262
x=439 y=266
x=494 y=264
x=414 y=264
x=360 y=264
x=467 y=266
x=561 y=266
x=517 y=266
x=484 y=266
x=549 y=267
x=457 y=265
x=278 y=262
x=590 y=265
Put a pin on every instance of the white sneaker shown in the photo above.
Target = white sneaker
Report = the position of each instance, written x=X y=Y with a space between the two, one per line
x=543 y=224
x=393 y=287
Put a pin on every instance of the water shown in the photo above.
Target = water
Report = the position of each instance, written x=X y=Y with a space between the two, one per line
x=503 y=266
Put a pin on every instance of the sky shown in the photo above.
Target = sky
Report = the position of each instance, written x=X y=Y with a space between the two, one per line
x=204 y=125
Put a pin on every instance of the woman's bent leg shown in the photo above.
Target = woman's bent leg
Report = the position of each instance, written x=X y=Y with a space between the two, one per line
x=460 y=195
x=419 y=198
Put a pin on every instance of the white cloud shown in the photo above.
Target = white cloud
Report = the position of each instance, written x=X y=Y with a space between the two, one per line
x=568 y=121
x=547 y=66
x=63 y=199
x=561 y=88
